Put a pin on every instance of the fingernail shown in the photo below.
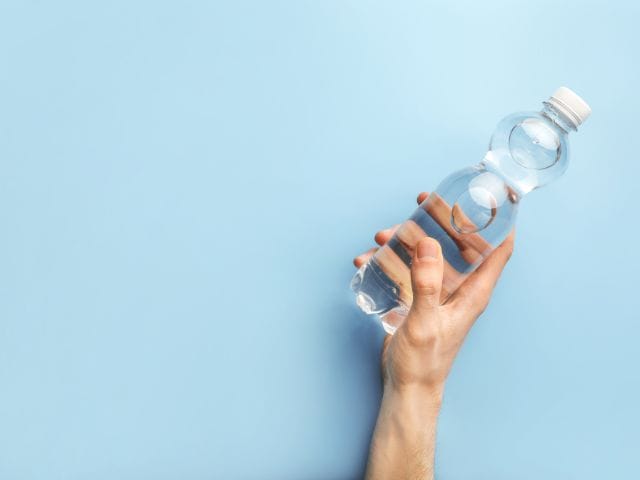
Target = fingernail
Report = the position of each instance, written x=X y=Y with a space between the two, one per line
x=427 y=249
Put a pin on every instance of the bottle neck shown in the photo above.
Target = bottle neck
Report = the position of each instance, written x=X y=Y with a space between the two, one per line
x=558 y=118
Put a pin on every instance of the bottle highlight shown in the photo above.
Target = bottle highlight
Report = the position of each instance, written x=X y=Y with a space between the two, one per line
x=474 y=209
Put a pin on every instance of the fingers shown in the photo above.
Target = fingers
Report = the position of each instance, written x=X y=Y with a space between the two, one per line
x=364 y=257
x=473 y=295
x=470 y=245
x=426 y=275
x=383 y=236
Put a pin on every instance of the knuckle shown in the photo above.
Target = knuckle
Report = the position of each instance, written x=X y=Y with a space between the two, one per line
x=479 y=307
x=422 y=335
x=426 y=288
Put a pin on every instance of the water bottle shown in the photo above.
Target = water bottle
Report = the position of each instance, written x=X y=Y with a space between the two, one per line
x=473 y=210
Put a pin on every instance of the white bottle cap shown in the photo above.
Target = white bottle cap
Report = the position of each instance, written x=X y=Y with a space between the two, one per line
x=571 y=105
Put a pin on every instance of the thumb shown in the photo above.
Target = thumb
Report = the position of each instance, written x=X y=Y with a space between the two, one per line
x=426 y=275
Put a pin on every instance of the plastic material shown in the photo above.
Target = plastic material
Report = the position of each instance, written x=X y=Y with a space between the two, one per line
x=570 y=104
x=473 y=210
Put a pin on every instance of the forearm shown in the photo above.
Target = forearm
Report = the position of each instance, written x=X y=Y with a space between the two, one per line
x=403 y=443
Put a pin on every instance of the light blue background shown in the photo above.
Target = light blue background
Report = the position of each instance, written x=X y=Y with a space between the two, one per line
x=183 y=186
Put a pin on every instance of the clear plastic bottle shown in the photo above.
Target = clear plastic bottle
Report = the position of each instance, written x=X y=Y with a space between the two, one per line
x=473 y=210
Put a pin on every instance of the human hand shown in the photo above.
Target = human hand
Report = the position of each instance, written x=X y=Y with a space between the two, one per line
x=423 y=349
x=418 y=357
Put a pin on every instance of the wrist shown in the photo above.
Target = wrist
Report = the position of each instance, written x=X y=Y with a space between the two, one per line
x=415 y=403
x=416 y=393
x=403 y=444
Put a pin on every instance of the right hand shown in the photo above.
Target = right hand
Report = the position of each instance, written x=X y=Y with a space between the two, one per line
x=422 y=350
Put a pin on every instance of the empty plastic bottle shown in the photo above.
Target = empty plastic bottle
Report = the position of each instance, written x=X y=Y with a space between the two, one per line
x=473 y=210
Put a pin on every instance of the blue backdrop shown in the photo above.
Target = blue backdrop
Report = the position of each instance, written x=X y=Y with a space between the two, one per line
x=183 y=186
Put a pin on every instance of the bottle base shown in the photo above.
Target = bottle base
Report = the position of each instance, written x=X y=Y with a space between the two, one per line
x=377 y=294
x=375 y=291
x=366 y=303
